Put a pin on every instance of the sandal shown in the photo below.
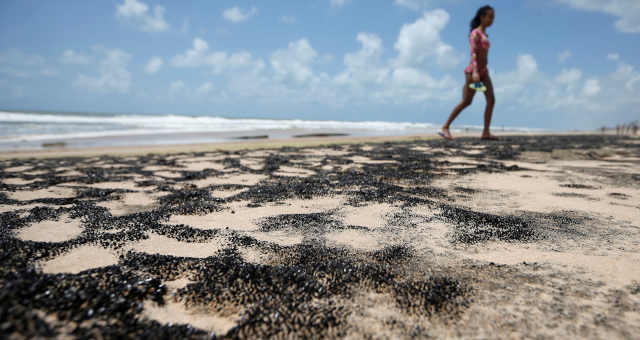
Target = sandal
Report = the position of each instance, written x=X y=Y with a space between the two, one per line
x=445 y=135
x=478 y=86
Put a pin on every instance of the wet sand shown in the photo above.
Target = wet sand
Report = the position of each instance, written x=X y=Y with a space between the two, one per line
x=529 y=237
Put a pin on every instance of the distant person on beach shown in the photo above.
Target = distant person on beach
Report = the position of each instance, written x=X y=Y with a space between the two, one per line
x=477 y=71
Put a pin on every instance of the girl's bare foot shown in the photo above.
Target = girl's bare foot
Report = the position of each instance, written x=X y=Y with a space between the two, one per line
x=445 y=134
x=489 y=136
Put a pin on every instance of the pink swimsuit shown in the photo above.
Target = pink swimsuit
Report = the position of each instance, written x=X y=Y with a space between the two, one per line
x=479 y=44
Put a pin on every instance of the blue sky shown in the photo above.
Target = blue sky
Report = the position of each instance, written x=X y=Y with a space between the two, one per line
x=557 y=64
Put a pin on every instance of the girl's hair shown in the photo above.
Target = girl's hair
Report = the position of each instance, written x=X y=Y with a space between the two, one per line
x=477 y=19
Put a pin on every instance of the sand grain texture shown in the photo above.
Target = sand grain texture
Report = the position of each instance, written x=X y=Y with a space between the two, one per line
x=531 y=236
x=52 y=231
x=80 y=259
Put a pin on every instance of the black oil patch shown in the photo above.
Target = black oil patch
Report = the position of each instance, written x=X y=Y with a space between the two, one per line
x=394 y=254
x=465 y=190
x=294 y=296
x=473 y=227
x=578 y=186
x=619 y=195
x=299 y=292
x=190 y=202
x=570 y=194
x=431 y=296
x=317 y=223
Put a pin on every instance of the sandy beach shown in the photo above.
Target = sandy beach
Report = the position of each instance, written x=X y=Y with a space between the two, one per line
x=532 y=236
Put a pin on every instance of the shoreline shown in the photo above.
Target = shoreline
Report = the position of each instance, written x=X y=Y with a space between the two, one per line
x=250 y=143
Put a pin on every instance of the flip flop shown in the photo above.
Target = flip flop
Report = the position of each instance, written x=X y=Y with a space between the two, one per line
x=478 y=86
x=492 y=137
x=441 y=134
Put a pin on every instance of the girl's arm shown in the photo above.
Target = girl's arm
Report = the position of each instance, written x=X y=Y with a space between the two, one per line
x=475 y=43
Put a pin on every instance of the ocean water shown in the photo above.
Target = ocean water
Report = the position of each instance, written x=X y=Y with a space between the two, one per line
x=34 y=130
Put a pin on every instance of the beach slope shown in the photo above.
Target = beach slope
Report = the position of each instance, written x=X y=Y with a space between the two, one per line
x=527 y=237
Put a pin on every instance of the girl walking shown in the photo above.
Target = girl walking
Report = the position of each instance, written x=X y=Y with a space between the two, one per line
x=476 y=72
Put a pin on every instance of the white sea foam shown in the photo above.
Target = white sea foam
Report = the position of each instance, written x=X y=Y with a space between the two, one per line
x=22 y=126
x=151 y=124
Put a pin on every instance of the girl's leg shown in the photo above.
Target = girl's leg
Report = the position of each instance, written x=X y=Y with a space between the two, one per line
x=488 y=111
x=467 y=99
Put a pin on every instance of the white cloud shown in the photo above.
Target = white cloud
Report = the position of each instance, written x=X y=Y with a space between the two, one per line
x=219 y=62
x=287 y=78
x=515 y=81
x=194 y=56
x=137 y=12
x=154 y=65
x=410 y=77
x=618 y=95
x=609 y=98
x=408 y=85
x=419 y=43
x=72 y=57
x=339 y=3
x=364 y=66
x=563 y=56
x=113 y=74
x=627 y=75
x=367 y=78
x=236 y=15
x=528 y=88
x=570 y=95
x=414 y=78
x=295 y=61
x=627 y=11
x=132 y=8
x=613 y=56
x=205 y=88
x=591 y=87
x=290 y=77
x=569 y=78
x=371 y=48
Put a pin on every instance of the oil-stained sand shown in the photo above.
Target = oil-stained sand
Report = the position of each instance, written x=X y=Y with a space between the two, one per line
x=531 y=236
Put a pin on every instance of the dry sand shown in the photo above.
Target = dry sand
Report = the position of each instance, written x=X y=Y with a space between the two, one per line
x=158 y=244
x=60 y=230
x=576 y=274
x=80 y=259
